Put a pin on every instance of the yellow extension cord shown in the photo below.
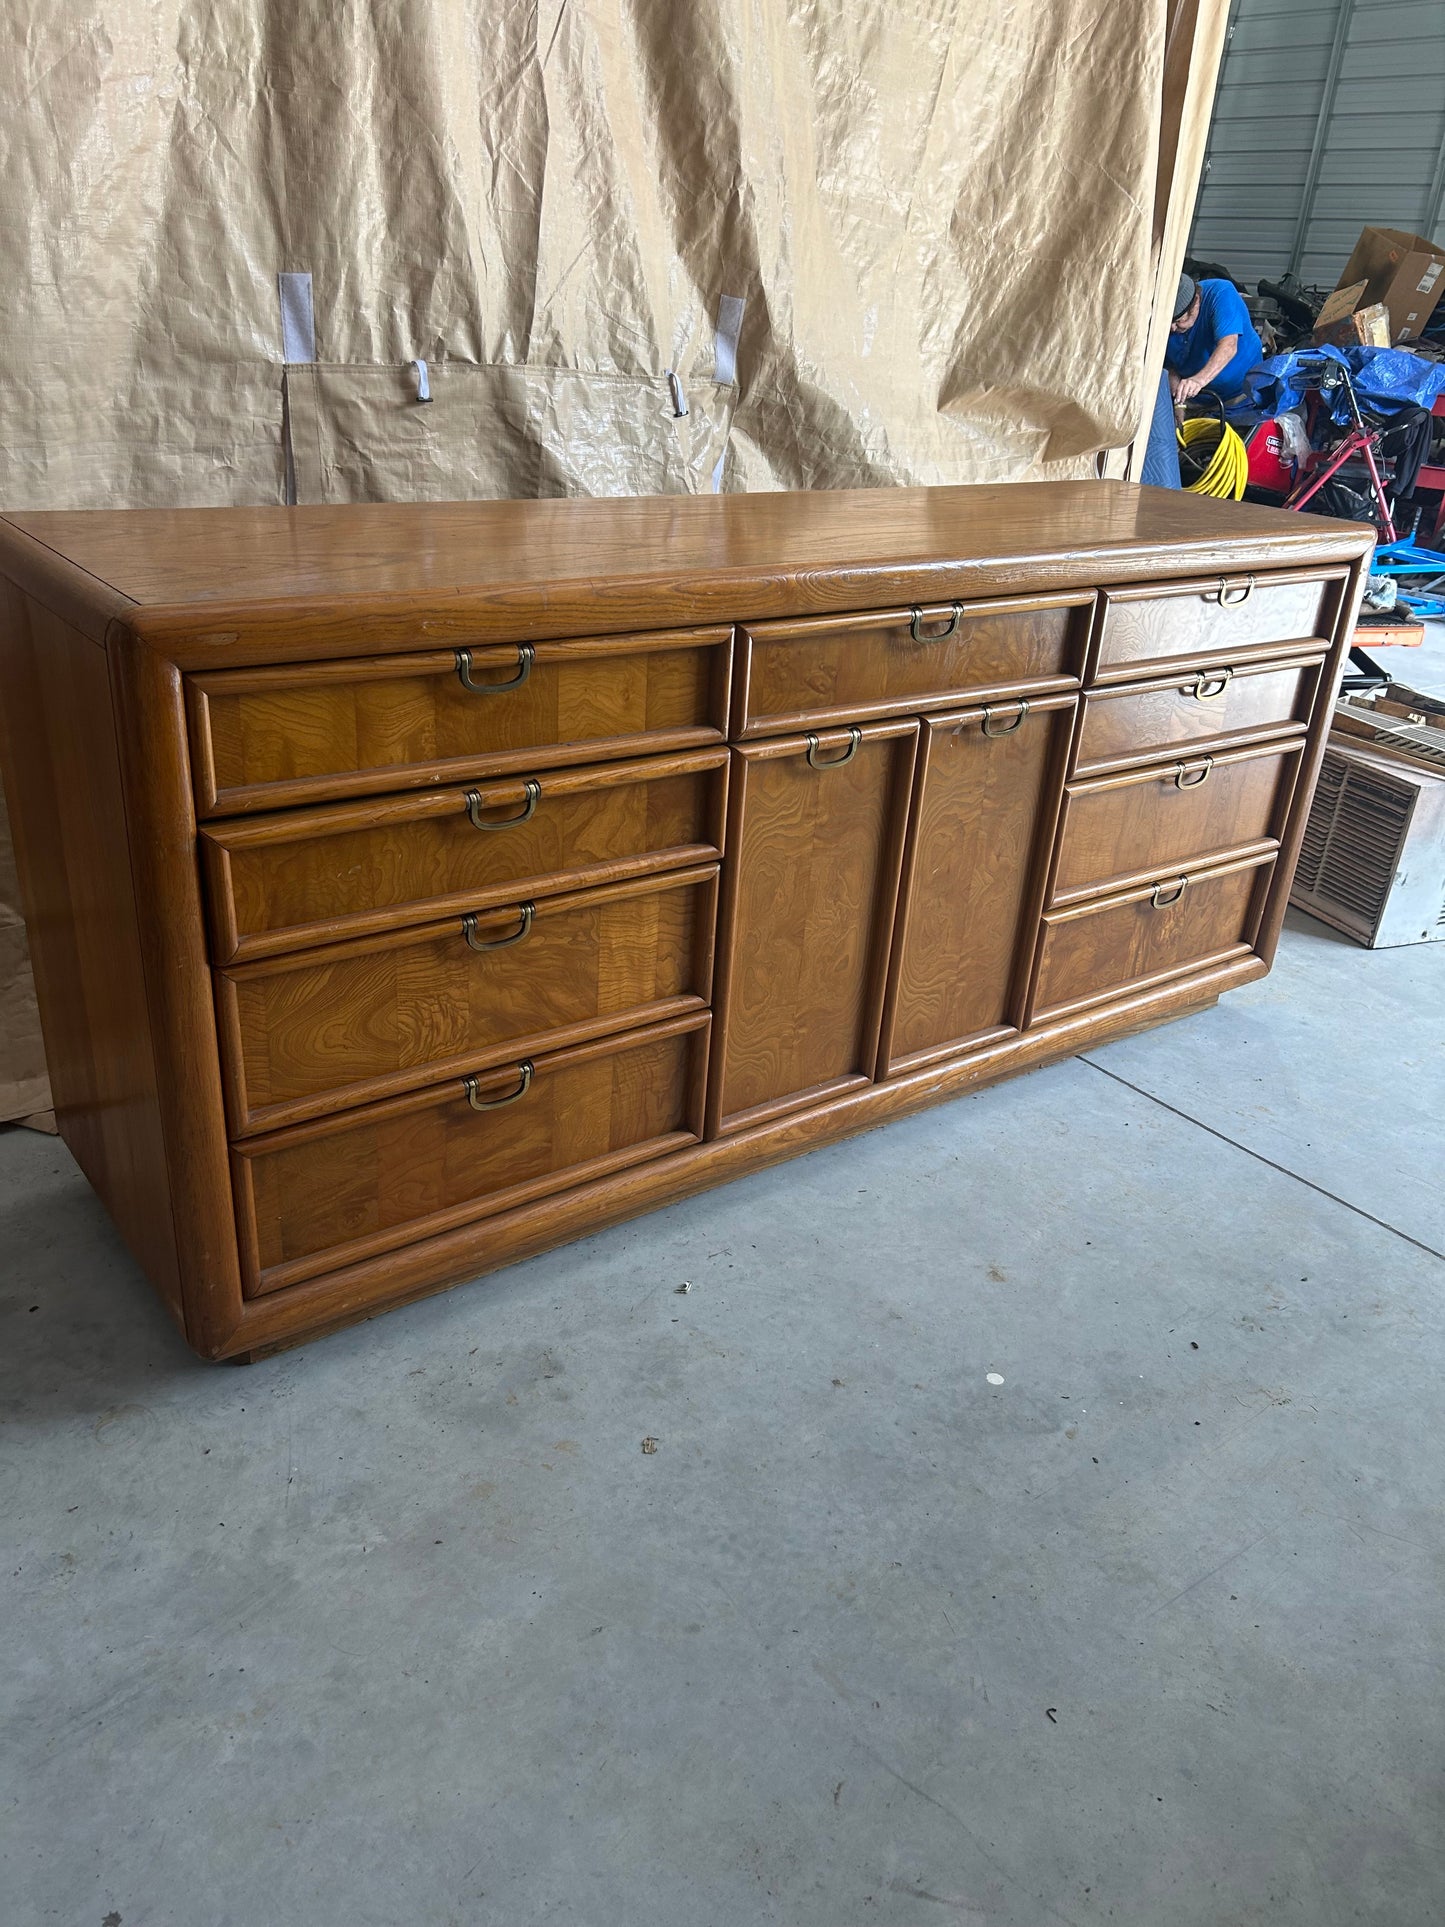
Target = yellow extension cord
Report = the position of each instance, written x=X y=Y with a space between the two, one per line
x=1227 y=470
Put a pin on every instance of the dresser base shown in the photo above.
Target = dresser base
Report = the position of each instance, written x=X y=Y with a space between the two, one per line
x=350 y=1297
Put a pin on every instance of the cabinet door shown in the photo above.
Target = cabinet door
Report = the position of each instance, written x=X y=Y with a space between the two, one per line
x=988 y=790
x=815 y=842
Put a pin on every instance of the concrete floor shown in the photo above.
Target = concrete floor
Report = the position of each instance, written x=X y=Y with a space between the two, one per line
x=405 y=1628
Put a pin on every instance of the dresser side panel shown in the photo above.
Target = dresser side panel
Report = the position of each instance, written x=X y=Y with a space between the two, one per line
x=62 y=776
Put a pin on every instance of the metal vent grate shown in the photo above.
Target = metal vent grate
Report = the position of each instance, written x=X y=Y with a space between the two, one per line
x=1323 y=810
x=1359 y=852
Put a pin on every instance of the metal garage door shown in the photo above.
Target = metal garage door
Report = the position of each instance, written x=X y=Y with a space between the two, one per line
x=1330 y=115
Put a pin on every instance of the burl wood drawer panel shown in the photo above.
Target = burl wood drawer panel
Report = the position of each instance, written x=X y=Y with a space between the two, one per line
x=817 y=828
x=1095 y=950
x=835 y=669
x=985 y=805
x=1137 y=720
x=312 y=876
x=320 y=1030
x=262 y=738
x=1119 y=829
x=330 y=1193
x=1227 y=619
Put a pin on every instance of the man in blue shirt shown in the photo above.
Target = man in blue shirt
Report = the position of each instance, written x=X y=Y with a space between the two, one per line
x=1212 y=342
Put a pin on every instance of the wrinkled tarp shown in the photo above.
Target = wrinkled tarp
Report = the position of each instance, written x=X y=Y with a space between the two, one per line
x=1385 y=378
x=938 y=217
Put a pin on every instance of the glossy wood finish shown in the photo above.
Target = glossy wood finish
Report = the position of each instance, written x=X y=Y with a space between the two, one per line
x=310 y=876
x=322 y=1030
x=263 y=738
x=1143 y=937
x=350 y=1187
x=795 y=675
x=217 y=588
x=1231 y=618
x=336 y=1143
x=982 y=825
x=63 y=780
x=1221 y=704
x=1123 y=829
x=807 y=917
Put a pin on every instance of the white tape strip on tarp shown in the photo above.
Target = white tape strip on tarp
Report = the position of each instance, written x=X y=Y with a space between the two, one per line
x=298 y=322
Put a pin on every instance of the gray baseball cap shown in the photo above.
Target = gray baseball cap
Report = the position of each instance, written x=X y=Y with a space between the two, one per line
x=1188 y=288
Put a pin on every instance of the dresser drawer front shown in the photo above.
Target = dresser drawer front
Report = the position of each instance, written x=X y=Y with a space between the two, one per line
x=264 y=738
x=323 y=1195
x=1122 y=829
x=1133 y=941
x=1208 y=706
x=1226 y=619
x=303 y=877
x=324 y=1030
x=830 y=669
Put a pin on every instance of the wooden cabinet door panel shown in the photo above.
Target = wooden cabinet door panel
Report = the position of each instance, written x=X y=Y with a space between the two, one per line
x=809 y=899
x=326 y=1194
x=985 y=807
x=1121 y=829
x=834 y=669
x=323 y=1030
x=1228 y=619
x=302 y=732
x=314 y=876
x=1135 y=940
x=1212 y=706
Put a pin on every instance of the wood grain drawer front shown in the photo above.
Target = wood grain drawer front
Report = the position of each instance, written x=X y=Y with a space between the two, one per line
x=831 y=669
x=1196 y=712
x=816 y=838
x=323 y=1030
x=1122 y=829
x=302 y=877
x=326 y=1194
x=1133 y=941
x=1227 y=619
x=985 y=805
x=263 y=738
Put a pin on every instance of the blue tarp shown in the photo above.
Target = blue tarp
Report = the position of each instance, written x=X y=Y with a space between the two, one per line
x=1385 y=378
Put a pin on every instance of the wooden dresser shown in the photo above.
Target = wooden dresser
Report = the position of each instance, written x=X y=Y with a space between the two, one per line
x=411 y=888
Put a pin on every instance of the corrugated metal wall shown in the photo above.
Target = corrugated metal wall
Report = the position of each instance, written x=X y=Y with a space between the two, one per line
x=1330 y=116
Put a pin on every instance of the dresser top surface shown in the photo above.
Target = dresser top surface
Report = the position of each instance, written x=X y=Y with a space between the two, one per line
x=1044 y=531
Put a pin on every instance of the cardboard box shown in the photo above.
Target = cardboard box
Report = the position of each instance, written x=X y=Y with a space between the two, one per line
x=1344 y=323
x=1404 y=271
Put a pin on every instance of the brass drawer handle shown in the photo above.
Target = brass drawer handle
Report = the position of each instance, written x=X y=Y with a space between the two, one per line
x=1200 y=774
x=533 y=792
x=942 y=635
x=1236 y=597
x=469 y=930
x=1008 y=728
x=1206 y=688
x=855 y=737
x=526 y=655
x=473 y=1085
x=1162 y=902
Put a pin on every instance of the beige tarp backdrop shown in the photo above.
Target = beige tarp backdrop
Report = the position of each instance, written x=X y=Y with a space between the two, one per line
x=936 y=212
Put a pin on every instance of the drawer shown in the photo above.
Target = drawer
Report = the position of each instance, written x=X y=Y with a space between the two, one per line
x=330 y=1193
x=1133 y=941
x=827 y=669
x=263 y=738
x=1123 y=829
x=1226 y=619
x=302 y=877
x=321 y=1030
x=1207 y=707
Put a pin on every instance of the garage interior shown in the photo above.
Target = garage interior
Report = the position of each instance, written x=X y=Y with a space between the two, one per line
x=1028 y=1510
